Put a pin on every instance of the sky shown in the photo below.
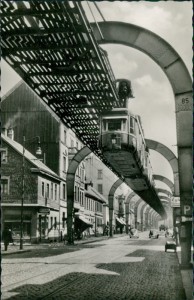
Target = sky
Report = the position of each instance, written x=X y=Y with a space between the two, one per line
x=154 y=100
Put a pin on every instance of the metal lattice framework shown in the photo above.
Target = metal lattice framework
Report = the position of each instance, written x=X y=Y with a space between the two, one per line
x=50 y=44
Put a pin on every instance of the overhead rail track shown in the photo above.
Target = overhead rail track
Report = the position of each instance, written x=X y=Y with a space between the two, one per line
x=50 y=44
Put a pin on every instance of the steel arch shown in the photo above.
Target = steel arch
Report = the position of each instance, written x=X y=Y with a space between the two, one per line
x=81 y=154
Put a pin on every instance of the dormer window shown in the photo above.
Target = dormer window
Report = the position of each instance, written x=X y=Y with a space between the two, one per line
x=4 y=185
x=3 y=155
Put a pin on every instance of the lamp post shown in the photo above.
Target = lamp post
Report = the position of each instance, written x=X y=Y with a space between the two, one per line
x=38 y=152
x=95 y=233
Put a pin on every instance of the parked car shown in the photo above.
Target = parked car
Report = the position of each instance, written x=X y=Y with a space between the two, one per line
x=154 y=234
x=170 y=245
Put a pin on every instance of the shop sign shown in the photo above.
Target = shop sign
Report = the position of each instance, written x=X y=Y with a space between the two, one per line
x=186 y=219
x=175 y=202
x=187 y=210
x=44 y=211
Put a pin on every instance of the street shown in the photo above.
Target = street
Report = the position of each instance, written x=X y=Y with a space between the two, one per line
x=114 y=269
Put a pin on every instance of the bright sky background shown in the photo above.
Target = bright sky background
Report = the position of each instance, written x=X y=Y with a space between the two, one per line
x=154 y=100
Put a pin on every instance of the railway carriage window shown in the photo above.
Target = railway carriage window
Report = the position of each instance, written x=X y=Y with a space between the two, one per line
x=132 y=123
x=104 y=125
x=146 y=160
x=124 y=125
x=114 y=125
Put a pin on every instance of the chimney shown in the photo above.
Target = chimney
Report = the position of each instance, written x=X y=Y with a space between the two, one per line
x=10 y=133
x=4 y=131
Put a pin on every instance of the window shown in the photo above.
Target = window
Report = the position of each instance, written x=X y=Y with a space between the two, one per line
x=51 y=222
x=51 y=190
x=77 y=145
x=99 y=174
x=114 y=124
x=47 y=190
x=82 y=175
x=72 y=143
x=3 y=155
x=78 y=199
x=82 y=198
x=64 y=164
x=132 y=121
x=5 y=186
x=89 y=205
x=55 y=223
x=93 y=205
x=124 y=125
x=63 y=220
x=104 y=125
x=43 y=191
x=65 y=137
x=55 y=191
x=100 y=189
x=64 y=191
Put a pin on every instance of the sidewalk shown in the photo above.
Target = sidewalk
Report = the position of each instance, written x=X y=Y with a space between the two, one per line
x=27 y=247
x=187 y=278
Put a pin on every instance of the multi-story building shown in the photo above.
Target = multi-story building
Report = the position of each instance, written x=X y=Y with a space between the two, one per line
x=102 y=179
x=27 y=182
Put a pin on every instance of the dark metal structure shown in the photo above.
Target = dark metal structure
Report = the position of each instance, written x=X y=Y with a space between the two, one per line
x=50 y=44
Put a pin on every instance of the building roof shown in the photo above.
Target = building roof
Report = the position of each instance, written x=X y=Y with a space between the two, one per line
x=9 y=92
x=94 y=194
x=29 y=156
x=21 y=85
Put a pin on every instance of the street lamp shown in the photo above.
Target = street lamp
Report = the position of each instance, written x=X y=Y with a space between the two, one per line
x=38 y=152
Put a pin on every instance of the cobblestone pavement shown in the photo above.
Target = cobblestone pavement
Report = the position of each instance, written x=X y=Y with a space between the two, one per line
x=113 y=269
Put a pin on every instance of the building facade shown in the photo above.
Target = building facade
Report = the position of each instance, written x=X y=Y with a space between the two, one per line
x=23 y=173
x=27 y=115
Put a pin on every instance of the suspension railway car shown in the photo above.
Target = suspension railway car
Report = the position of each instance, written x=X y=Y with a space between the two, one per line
x=123 y=145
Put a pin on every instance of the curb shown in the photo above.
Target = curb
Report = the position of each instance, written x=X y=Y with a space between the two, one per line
x=15 y=252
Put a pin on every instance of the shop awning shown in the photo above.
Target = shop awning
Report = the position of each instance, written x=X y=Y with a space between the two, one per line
x=120 y=221
x=84 y=220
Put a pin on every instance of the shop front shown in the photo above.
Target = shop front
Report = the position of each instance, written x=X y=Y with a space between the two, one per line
x=12 y=220
x=120 y=224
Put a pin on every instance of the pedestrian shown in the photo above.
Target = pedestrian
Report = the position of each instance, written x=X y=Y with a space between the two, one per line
x=130 y=232
x=6 y=237
x=11 y=234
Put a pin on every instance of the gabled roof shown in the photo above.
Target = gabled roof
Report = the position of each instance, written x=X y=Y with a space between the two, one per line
x=94 y=194
x=12 y=90
x=29 y=156
x=22 y=86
